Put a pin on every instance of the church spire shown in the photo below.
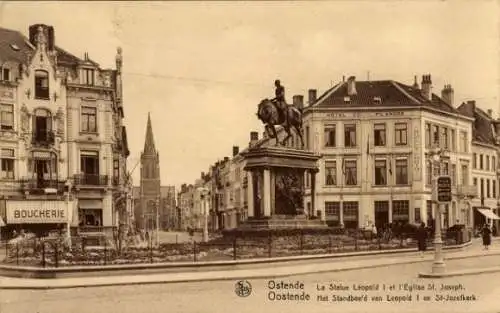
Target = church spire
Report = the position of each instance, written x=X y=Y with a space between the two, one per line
x=149 y=143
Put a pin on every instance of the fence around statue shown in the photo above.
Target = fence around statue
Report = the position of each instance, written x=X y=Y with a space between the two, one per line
x=53 y=254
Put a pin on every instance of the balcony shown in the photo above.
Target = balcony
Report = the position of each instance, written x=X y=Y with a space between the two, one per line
x=40 y=186
x=467 y=191
x=91 y=180
x=44 y=139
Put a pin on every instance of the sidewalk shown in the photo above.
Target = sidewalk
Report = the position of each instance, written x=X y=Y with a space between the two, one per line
x=475 y=250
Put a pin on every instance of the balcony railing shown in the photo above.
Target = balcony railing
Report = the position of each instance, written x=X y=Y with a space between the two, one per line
x=43 y=138
x=467 y=191
x=40 y=186
x=91 y=180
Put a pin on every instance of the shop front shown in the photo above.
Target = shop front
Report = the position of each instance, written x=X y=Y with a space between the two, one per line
x=36 y=216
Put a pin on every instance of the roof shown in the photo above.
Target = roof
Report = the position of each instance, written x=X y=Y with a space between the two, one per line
x=10 y=39
x=483 y=127
x=391 y=93
x=149 y=143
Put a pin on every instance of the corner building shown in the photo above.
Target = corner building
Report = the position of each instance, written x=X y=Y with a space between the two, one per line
x=62 y=138
x=375 y=138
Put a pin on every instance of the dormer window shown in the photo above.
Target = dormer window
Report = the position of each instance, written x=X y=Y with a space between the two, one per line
x=41 y=85
x=87 y=76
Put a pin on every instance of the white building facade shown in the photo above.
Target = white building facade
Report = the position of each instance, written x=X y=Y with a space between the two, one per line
x=375 y=138
x=63 y=143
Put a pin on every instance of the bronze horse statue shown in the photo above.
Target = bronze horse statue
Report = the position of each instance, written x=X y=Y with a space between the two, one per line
x=269 y=114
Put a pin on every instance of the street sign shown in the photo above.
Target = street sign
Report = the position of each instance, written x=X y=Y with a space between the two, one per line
x=444 y=189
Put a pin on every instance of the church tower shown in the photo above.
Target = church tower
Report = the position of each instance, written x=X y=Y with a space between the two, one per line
x=150 y=181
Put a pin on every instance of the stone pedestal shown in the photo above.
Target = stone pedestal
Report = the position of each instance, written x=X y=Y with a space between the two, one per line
x=276 y=188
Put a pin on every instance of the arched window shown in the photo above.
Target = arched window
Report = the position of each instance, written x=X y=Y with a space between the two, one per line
x=41 y=84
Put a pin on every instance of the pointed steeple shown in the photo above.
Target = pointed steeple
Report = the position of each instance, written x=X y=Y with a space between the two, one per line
x=149 y=143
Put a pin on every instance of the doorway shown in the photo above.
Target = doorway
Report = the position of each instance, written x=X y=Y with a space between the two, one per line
x=381 y=214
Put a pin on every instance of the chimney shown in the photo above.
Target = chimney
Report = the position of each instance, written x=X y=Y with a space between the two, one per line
x=351 y=86
x=447 y=94
x=427 y=87
x=471 y=107
x=312 y=96
x=254 y=137
x=298 y=101
x=236 y=150
x=490 y=113
x=415 y=83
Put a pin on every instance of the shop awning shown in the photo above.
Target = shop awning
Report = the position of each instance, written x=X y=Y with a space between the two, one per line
x=89 y=204
x=489 y=214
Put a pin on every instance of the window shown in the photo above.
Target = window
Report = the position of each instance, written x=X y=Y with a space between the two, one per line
x=401 y=134
x=350 y=210
x=6 y=74
x=401 y=210
x=7 y=160
x=475 y=181
x=116 y=170
x=379 y=135
x=332 y=213
x=453 y=174
x=481 y=187
x=402 y=172
x=465 y=175
x=350 y=135
x=435 y=135
x=493 y=164
x=380 y=172
x=481 y=164
x=330 y=136
x=453 y=140
x=428 y=137
x=444 y=138
x=417 y=215
x=463 y=141
x=428 y=169
x=474 y=161
x=89 y=119
x=307 y=178
x=487 y=163
x=488 y=190
x=330 y=173
x=89 y=162
x=445 y=166
x=42 y=126
x=351 y=173
x=88 y=76
x=494 y=188
x=7 y=117
x=41 y=84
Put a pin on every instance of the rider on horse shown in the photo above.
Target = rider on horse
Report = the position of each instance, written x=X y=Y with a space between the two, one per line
x=280 y=102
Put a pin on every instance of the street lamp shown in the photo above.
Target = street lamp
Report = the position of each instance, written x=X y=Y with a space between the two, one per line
x=69 y=213
x=438 y=266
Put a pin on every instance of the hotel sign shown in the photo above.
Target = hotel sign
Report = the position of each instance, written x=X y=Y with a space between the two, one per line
x=36 y=212
x=341 y=115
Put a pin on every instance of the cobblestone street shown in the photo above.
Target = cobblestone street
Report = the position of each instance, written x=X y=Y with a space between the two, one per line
x=200 y=297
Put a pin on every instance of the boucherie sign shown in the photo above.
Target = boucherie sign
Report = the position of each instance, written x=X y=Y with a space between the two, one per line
x=36 y=212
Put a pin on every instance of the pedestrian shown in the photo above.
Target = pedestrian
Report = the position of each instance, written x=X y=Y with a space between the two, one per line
x=422 y=239
x=486 y=234
x=374 y=231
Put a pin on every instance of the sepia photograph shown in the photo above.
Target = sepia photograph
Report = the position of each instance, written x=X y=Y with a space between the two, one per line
x=250 y=156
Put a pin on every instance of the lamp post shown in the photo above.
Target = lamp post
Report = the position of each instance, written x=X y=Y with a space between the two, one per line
x=438 y=266
x=157 y=222
x=70 y=214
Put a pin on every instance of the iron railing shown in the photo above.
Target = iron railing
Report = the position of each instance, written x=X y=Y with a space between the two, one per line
x=39 y=186
x=91 y=180
x=43 y=138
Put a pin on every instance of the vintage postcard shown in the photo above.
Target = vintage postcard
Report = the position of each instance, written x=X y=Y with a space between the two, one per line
x=249 y=156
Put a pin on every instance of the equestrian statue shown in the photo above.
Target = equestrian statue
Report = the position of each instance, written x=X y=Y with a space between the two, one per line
x=276 y=112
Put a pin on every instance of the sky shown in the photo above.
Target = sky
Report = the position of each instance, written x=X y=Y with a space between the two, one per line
x=201 y=68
